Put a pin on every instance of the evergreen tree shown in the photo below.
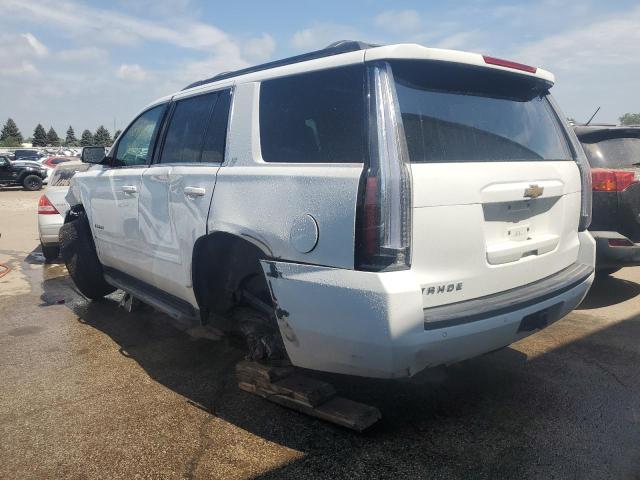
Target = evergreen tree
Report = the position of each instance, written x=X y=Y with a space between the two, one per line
x=116 y=135
x=10 y=135
x=626 y=119
x=52 y=138
x=39 y=136
x=71 y=140
x=102 y=137
x=87 y=139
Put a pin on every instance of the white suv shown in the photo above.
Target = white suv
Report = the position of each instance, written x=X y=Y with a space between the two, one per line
x=388 y=208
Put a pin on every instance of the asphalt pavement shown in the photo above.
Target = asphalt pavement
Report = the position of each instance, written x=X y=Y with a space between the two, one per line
x=90 y=391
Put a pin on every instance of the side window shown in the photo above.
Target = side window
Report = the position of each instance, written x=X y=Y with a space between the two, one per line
x=134 y=144
x=188 y=124
x=216 y=136
x=314 y=117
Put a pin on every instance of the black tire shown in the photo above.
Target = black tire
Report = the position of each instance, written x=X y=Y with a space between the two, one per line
x=50 y=252
x=79 y=254
x=32 y=183
x=605 y=272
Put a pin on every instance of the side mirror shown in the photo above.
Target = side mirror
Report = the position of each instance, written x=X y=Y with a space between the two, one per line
x=92 y=154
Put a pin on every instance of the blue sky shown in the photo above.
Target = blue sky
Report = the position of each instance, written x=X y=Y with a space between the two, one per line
x=90 y=63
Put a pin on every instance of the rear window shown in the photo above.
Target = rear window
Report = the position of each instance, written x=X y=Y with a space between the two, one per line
x=460 y=113
x=614 y=152
x=63 y=174
x=315 y=117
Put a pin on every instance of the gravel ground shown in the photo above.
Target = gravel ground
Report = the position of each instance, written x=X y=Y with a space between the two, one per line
x=89 y=391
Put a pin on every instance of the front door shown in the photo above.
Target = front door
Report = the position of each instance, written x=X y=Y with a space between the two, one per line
x=115 y=191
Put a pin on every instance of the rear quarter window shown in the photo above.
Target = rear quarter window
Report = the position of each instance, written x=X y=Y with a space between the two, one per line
x=461 y=113
x=315 y=117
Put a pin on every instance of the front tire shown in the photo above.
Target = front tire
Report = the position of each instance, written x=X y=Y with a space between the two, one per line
x=79 y=254
x=50 y=252
x=32 y=183
x=605 y=272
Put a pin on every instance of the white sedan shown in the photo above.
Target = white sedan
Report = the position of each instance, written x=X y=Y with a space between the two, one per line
x=52 y=206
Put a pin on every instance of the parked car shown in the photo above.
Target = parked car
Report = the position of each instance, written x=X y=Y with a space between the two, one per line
x=614 y=155
x=51 y=162
x=385 y=209
x=52 y=207
x=29 y=175
x=26 y=154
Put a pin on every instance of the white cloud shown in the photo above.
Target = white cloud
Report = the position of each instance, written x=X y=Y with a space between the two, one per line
x=113 y=27
x=83 y=55
x=608 y=42
x=18 y=53
x=133 y=72
x=22 y=69
x=38 y=47
x=457 y=41
x=399 y=21
x=260 y=48
x=322 y=34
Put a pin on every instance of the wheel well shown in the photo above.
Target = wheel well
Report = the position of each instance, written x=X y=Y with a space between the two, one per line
x=74 y=212
x=221 y=263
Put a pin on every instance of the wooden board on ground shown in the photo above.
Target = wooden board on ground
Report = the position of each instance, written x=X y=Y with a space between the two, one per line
x=280 y=384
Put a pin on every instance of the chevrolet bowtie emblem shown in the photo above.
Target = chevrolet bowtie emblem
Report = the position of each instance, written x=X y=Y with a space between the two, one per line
x=534 y=191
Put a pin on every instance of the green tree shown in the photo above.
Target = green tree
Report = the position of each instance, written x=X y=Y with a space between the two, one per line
x=10 y=135
x=87 y=139
x=630 y=119
x=53 y=139
x=39 y=136
x=116 y=135
x=102 y=137
x=71 y=140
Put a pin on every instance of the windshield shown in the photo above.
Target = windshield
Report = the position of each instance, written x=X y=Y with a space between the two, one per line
x=460 y=113
x=614 y=152
x=62 y=175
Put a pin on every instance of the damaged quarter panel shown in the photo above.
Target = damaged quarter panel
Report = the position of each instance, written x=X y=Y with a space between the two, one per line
x=278 y=195
x=344 y=321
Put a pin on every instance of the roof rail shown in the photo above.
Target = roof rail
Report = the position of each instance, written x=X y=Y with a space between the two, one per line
x=336 y=48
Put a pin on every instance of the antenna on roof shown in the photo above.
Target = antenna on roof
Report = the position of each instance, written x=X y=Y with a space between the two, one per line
x=594 y=114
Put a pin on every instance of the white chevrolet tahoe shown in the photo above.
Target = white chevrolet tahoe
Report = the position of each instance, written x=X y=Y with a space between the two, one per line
x=386 y=208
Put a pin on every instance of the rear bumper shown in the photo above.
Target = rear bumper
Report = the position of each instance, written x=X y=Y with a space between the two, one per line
x=608 y=256
x=373 y=324
x=49 y=228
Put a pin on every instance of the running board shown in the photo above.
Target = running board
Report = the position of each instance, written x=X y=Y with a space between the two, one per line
x=279 y=383
x=178 y=309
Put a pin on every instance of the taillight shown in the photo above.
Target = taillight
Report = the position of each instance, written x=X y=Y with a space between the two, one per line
x=45 y=207
x=607 y=180
x=383 y=235
x=509 y=64
x=621 y=242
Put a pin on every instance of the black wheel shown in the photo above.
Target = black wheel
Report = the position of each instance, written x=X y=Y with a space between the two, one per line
x=32 y=183
x=605 y=272
x=50 y=252
x=79 y=254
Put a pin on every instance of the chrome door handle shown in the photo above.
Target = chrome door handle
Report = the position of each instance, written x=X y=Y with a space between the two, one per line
x=195 y=191
x=129 y=189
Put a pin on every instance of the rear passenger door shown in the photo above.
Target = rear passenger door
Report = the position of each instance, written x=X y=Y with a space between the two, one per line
x=177 y=189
